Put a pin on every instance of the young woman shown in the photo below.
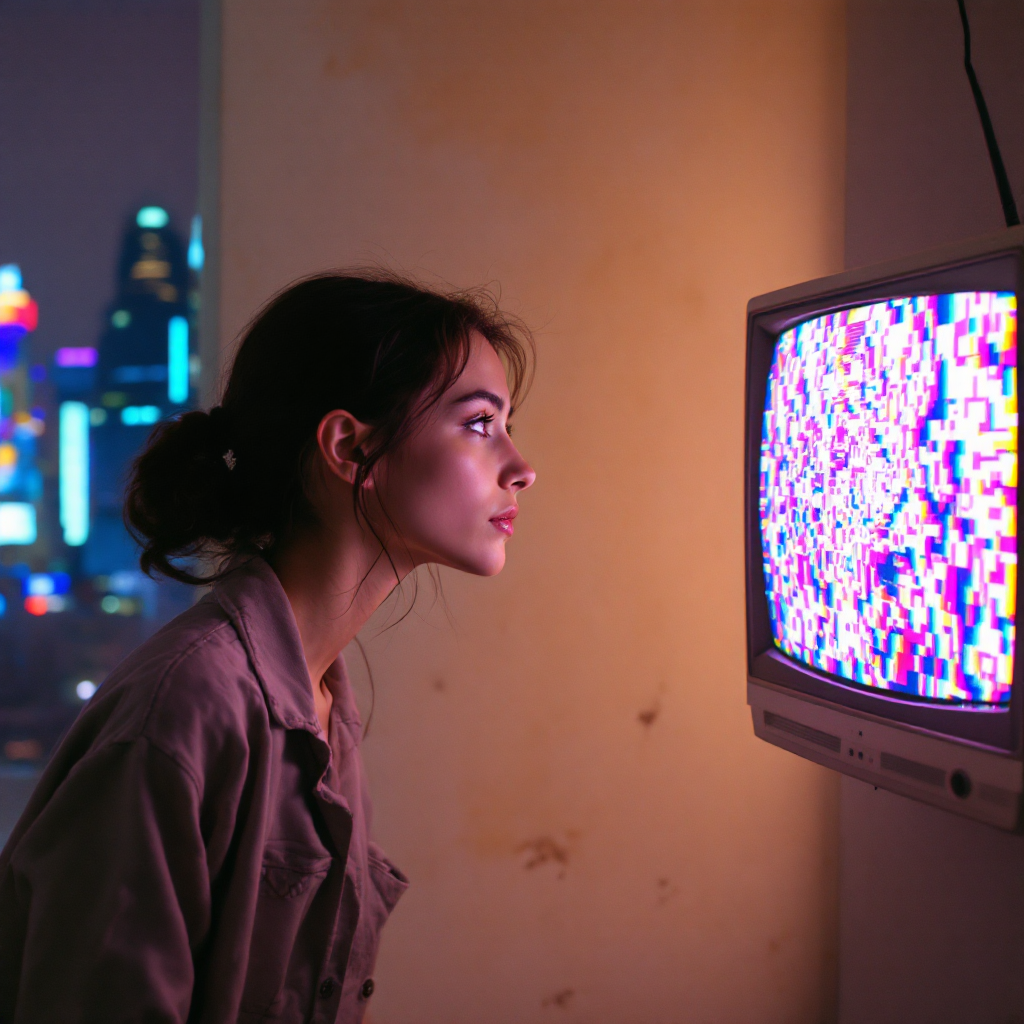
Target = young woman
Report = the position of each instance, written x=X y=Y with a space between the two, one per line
x=198 y=848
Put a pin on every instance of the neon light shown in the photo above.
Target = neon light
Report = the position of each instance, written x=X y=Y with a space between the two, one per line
x=17 y=522
x=121 y=318
x=46 y=584
x=152 y=217
x=126 y=582
x=74 y=472
x=139 y=374
x=76 y=357
x=140 y=415
x=39 y=584
x=18 y=315
x=8 y=464
x=177 y=359
x=18 y=310
x=196 y=253
x=38 y=604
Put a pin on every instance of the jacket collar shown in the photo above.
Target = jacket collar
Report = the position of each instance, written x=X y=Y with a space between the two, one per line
x=255 y=602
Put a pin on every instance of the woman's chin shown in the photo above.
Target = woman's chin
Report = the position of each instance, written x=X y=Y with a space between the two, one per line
x=479 y=563
x=494 y=567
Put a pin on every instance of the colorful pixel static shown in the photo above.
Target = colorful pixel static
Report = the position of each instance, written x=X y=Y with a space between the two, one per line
x=889 y=493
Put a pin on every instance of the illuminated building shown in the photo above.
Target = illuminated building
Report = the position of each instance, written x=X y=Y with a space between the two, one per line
x=72 y=599
x=21 y=424
x=142 y=373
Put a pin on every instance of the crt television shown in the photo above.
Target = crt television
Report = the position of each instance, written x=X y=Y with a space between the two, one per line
x=881 y=524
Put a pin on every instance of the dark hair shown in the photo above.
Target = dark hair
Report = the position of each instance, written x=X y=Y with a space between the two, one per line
x=235 y=480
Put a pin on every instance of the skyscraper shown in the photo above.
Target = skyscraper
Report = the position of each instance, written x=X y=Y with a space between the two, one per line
x=144 y=374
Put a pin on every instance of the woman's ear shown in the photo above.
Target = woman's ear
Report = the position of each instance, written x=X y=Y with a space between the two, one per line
x=339 y=438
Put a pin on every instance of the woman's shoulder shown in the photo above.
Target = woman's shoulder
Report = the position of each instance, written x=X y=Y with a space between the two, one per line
x=189 y=690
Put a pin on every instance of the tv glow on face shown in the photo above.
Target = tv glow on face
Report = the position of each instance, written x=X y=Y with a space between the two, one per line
x=881 y=524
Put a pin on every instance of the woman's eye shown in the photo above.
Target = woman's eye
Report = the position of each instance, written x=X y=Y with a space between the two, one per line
x=479 y=425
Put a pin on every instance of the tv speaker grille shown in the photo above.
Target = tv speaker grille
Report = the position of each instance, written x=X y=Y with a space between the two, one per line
x=926 y=773
x=803 y=732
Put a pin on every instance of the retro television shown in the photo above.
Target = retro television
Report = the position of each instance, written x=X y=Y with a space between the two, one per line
x=881 y=493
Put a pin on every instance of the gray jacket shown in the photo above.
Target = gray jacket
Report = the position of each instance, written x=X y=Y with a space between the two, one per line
x=196 y=850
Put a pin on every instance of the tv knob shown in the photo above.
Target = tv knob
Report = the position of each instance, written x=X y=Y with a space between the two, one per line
x=960 y=783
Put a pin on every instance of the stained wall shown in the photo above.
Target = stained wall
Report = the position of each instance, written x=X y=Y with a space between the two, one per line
x=562 y=758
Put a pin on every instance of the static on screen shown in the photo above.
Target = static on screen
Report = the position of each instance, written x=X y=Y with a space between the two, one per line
x=888 y=495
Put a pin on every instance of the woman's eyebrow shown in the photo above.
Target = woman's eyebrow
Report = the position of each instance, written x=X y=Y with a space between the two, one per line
x=489 y=396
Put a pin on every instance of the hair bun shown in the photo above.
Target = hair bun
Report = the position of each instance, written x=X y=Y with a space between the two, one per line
x=218 y=417
x=180 y=491
x=221 y=436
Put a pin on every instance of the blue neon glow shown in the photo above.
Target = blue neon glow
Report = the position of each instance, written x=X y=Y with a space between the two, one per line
x=10 y=278
x=140 y=415
x=139 y=374
x=196 y=253
x=74 y=472
x=17 y=522
x=152 y=217
x=39 y=584
x=45 y=584
x=177 y=359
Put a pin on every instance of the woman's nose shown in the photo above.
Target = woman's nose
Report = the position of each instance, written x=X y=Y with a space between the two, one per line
x=518 y=474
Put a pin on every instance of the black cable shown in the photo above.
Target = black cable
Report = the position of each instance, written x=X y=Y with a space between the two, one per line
x=1002 y=181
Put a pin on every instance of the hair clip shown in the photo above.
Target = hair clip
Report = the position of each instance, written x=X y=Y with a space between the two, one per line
x=229 y=460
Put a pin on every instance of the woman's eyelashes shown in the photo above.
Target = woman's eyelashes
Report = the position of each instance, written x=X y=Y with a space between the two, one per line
x=480 y=424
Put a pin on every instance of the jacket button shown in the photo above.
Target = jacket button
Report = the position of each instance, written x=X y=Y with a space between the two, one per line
x=326 y=988
x=367 y=990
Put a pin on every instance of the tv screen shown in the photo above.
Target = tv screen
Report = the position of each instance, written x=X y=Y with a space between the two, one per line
x=881 y=524
x=888 y=485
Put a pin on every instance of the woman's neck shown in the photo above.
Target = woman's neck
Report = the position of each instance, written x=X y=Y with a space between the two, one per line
x=335 y=580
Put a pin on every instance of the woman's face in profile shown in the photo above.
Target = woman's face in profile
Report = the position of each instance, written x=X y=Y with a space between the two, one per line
x=451 y=489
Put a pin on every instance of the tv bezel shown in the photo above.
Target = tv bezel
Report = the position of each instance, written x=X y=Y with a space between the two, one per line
x=992 y=263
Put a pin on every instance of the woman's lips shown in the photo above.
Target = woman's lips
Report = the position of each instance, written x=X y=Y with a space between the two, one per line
x=503 y=521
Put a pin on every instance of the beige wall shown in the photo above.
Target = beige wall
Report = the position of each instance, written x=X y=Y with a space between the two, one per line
x=567 y=771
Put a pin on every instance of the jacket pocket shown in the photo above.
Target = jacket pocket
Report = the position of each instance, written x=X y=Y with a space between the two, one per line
x=388 y=881
x=290 y=878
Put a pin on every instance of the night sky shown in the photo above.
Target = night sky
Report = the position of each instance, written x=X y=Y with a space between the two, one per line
x=99 y=114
